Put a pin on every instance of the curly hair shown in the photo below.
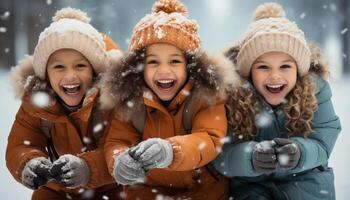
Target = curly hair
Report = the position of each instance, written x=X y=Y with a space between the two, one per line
x=243 y=103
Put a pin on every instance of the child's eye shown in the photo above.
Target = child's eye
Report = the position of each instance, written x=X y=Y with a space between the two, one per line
x=58 y=66
x=81 y=65
x=151 y=62
x=175 y=61
x=285 y=66
x=262 y=67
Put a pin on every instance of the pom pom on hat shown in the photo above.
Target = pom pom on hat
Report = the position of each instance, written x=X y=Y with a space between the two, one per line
x=169 y=6
x=71 y=13
x=268 y=10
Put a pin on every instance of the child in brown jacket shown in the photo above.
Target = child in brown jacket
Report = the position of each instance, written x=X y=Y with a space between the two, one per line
x=168 y=98
x=55 y=144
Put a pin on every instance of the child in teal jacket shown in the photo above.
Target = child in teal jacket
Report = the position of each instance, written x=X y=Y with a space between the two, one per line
x=282 y=125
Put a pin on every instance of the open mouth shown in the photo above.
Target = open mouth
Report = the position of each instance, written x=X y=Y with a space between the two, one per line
x=165 y=84
x=275 y=88
x=71 y=89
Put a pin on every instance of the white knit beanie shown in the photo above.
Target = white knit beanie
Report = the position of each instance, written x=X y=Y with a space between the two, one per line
x=70 y=29
x=271 y=31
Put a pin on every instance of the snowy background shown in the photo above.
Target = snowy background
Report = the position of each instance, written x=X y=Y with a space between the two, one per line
x=222 y=22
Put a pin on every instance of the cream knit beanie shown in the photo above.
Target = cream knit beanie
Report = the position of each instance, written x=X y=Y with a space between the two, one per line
x=70 y=29
x=271 y=31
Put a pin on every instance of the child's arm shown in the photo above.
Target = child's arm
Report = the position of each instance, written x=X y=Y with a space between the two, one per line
x=235 y=159
x=120 y=136
x=316 y=149
x=25 y=142
x=205 y=141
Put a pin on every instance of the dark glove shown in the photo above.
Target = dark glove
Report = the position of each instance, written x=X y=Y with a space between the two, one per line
x=264 y=157
x=36 y=172
x=71 y=171
x=288 y=153
x=128 y=171
x=153 y=153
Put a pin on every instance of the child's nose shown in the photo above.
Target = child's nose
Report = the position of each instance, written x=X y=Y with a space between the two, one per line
x=164 y=68
x=71 y=75
x=275 y=75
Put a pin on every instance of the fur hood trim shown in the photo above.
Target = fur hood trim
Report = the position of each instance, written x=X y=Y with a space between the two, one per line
x=24 y=81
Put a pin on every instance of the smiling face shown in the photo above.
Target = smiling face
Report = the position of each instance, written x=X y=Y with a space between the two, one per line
x=70 y=75
x=274 y=75
x=165 y=70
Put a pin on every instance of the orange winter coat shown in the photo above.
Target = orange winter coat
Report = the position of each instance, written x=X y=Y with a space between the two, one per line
x=27 y=140
x=190 y=175
x=71 y=133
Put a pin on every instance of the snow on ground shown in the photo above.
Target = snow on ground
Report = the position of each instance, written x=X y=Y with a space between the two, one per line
x=10 y=189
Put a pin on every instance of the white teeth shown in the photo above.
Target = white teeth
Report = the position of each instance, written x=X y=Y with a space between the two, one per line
x=70 y=86
x=165 y=81
x=274 y=86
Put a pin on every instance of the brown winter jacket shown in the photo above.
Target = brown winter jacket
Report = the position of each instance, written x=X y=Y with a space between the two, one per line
x=190 y=174
x=27 y=139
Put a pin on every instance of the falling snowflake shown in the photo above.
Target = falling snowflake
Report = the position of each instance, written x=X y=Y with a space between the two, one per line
x=104 y=197
x=81 y=190
x=26 y=142
x=186 y=92
x=218 y=149
x=127 y=41
x=160 y=33
x=140 y=67
x=130 y=104
x=302 y=15
x=86 y=140
x=344 y=31
x=283 y=159
x=48 y=2
x=325 y=7
x=324 y=192
x=225 y=140
x=333 y=7
x=97 y=128
x=5 y=16
x=202 y=145
x=217 y=118
x=263 y=119
x=83 y=149
x=154 y=191
x=162 y=197
x=148 y=95
x=240 y=137
x=68 y=196
x=88 y=194
x=7 y=50
x=3 y=29
x=40 y=99
x=265 y=145
x=122 y=195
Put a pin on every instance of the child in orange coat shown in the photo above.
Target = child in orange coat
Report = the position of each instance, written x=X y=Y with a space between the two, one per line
x=55 y=144
x=168 y=98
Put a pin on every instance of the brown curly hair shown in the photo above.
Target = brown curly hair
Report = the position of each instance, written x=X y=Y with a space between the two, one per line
x=243 y=104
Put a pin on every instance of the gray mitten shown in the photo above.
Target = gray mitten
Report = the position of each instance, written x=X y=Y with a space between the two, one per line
x=288 y=153
x=71 y=171
x=128 y=171
x=153 y=153
x=264 y=158
x=36 y=172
